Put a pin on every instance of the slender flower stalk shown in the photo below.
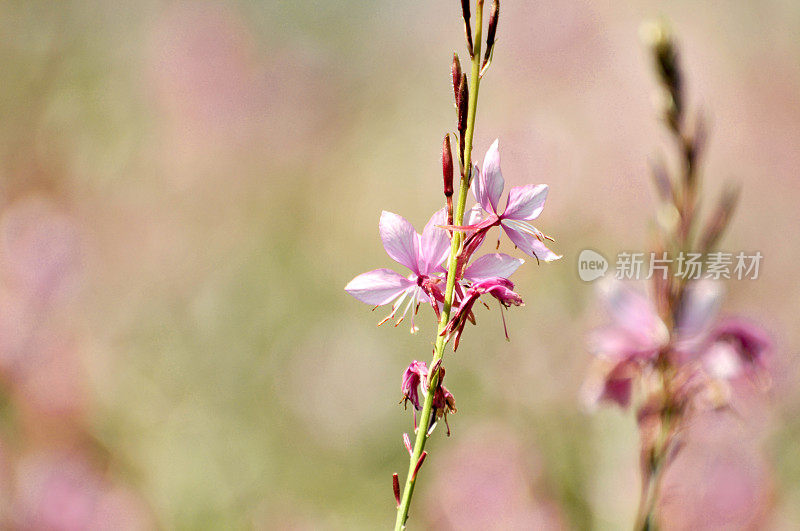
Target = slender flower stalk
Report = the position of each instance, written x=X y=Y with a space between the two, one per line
x=458 y=219
x=440 y=259
x=673 y=349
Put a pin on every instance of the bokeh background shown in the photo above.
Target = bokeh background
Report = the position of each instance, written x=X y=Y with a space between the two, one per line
x=186 y=187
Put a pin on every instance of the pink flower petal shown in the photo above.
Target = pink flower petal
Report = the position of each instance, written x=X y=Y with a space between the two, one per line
x=617 y=344
x=634 y=314
x=530 y=245
x=526 y=202
x=698 y=312
x=378 y=287
x=487 y=185
x=434 y=243
x=400 y=240
x=473 y=215
x=492 y=265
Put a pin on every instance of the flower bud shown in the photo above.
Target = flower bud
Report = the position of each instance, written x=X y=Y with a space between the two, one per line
x=396 y=488
x=494 y=14
x=419 y=464
x=719 y=219
x=455 y=71
x=463 y=104
x=467 y=27
x=447 y=166
x=658 y=38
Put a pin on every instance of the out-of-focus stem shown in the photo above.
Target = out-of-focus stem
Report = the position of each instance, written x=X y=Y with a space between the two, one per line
x=463 y=190
x=651 y=487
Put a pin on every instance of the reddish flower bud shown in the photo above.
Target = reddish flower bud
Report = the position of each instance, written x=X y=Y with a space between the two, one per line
x=455 y=71
x=494 y=14
x=396 y=488
x=467 y=26
x=463 y=104
x=419 y=464
x=447 y=166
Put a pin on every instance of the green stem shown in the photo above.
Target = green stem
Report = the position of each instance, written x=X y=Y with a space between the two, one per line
x=458 y=217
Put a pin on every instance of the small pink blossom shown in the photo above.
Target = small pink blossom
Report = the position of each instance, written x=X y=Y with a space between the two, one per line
x=524 y=204
x=421 y=254
x=500 y=288
x=414 y=374
x=415 y=377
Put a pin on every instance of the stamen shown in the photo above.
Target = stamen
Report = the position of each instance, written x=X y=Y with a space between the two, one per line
x=405 y=311
x=505 y=328
x=395 y=306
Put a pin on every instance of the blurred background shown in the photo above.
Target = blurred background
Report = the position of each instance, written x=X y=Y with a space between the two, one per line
x=186 y=187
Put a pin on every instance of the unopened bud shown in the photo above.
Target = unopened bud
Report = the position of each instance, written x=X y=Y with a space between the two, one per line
x=447 y=166
x=657 y=36
x=463 y=104
x=419 y=464
x=455 y=71
x=719 y=219
x=494 y=14
x=467 y=25
x=396 y=488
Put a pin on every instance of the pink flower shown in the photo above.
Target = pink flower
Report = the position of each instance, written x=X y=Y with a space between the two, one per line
x=414 y=374
x=500 y=288
x=422 y=254
x=636 y=331
x=727 y=348
x=748 y=344
x=524 y=204
x=702 y=347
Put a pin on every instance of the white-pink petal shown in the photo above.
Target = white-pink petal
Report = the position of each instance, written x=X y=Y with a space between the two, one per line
x=526 y=202
x=434 y=245
x=400 y=240
x=530 y=244
x=487 y=185
x=473 y=215
x=378 y=287
x=492 y=265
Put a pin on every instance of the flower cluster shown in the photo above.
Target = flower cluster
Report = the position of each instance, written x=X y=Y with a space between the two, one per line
x=424 y=255
x=704 y=352
x=445 y=270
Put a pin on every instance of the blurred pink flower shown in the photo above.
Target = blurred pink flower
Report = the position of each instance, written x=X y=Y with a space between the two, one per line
x=487 y=482
x=64 y=493
x=635 y=333
x=40 y=248
x=703 y=347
